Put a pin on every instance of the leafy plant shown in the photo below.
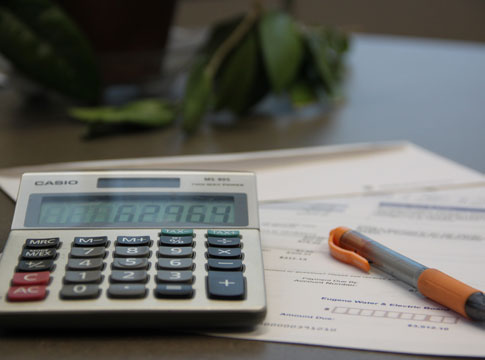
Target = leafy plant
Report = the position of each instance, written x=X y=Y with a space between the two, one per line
x=45 y=45
x=243 y=60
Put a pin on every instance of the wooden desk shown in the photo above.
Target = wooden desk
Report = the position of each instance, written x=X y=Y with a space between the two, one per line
x=429 y=92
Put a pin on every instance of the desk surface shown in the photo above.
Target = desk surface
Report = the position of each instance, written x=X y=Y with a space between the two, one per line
x=431 y=93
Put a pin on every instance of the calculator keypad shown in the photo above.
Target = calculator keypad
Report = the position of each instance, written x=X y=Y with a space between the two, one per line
x=126 y=264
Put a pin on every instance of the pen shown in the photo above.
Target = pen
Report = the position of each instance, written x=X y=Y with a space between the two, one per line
x=354 y=248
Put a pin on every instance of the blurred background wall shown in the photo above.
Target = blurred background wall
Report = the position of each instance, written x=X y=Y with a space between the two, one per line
x=448 y=19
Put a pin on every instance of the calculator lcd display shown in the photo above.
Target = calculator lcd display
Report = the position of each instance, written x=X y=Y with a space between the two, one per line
x=136 y=210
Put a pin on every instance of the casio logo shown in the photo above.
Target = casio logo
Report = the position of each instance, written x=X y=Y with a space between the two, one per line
x=55 y=182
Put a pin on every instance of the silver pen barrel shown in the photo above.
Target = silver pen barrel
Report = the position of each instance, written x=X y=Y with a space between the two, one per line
x=383 y=258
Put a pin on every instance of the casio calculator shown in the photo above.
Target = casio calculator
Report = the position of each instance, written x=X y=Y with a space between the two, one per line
x=168 y=249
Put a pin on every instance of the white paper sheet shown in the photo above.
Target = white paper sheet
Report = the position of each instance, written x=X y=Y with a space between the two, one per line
x=301 y=173
x=314 y=299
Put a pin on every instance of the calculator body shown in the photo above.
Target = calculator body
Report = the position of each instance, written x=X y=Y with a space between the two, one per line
x=164 y=249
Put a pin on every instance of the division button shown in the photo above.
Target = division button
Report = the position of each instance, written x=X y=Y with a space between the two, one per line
x=166 y=240
x=31 y=278
x=175 y=264
x=80 y=291
x=175 y=252
x=85 y=264
x=131 y=251
x=42 y=243
x=38 y=253
x=82 y=277
x=87 y=252
x=35 y=265
x=127 y=291
x=224 y=241
x=174 y=291
x=91 y=241
x=27 y=293
x=226 y=285
x=225 y=265
x=183 y=276
x=130 y=263
x=133 y=240
x=128 y=276
x=224 y=253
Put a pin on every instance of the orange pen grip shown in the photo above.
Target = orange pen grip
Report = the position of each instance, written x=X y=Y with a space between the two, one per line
x=445 y=290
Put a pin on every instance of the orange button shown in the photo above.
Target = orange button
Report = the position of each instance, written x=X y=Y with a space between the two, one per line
x=27 y=293
x=31 y=278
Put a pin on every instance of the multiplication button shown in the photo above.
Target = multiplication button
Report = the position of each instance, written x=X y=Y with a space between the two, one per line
x=224 y=253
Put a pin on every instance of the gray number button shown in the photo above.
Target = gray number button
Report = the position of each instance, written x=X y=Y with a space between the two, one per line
x=128 y=276
x=79 y=291
x=175 y=252
x=85 y=264
x=130 y=263
x=87 y=252
x=184 y=276
x=175 y=264
x=132 y=251
x=82 y=277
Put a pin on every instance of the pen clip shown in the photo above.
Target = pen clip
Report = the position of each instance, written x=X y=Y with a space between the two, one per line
x=341 y=254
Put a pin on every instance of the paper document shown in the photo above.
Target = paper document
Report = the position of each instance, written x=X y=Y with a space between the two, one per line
x=315 y=299
x=300 y=173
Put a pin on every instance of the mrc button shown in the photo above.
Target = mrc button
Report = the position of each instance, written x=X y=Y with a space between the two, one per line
x=42 y=243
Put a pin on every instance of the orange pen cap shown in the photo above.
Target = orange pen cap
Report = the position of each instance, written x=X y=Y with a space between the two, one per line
x=341 y=254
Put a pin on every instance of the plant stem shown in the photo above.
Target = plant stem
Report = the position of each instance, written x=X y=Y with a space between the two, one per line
x=230 y=43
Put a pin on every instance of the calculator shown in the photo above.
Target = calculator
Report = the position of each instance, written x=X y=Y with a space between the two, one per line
x=167 y=249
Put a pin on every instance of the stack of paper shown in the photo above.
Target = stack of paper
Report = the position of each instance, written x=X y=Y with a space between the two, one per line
x=413 y=201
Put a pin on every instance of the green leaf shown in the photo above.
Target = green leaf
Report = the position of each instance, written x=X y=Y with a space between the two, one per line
x=326 y=48
x=302 y=94
x=218 y=33
x=197 y=97
x=45 y=45
x=237 y=76
x=282 y=49
x=145 y=113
